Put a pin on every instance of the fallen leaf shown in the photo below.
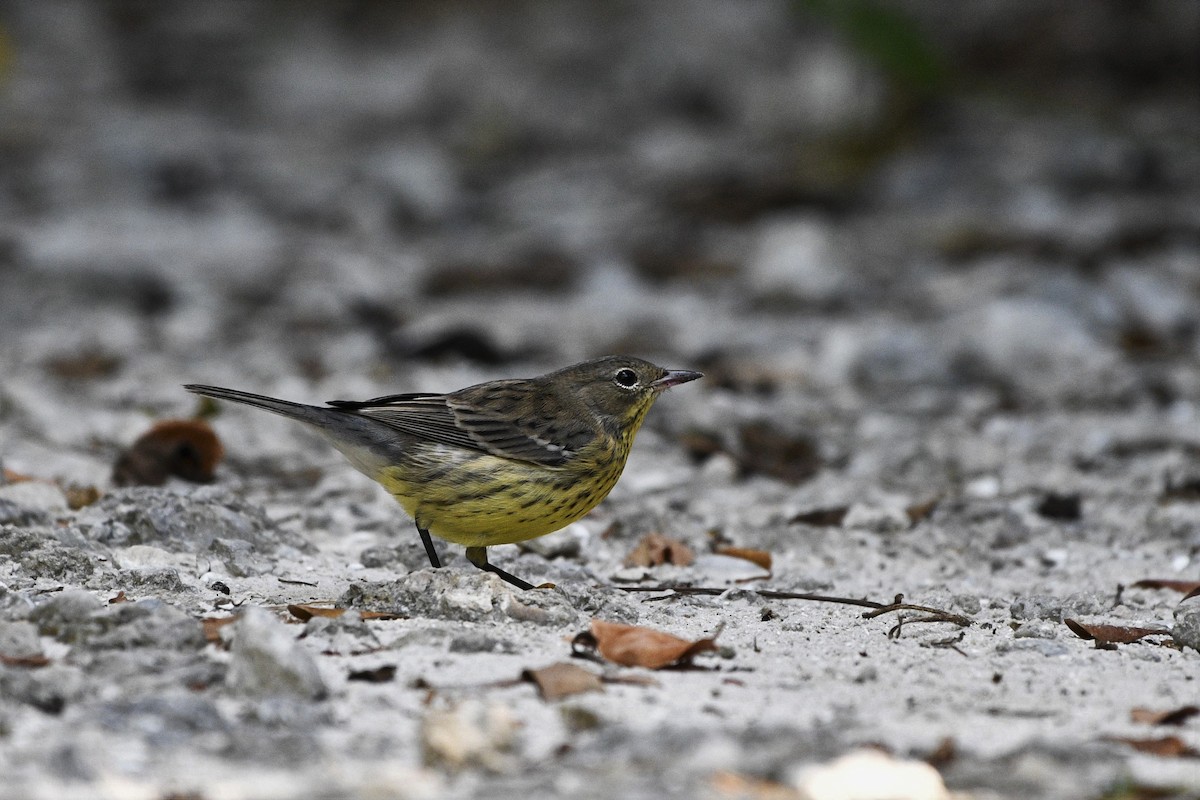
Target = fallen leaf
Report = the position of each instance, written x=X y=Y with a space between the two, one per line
x=562 y=680
x=822 y=517
x=119 y=597
x=1176 y=716
x=1185 y=587
x=80 y=496
x=701 y=444
x=16 y=477
x=634 y=646
x=87 y=365
x=304 y=612
x=1165 y=746
x=1111 y=634
x=767 y=450
x=655 y=549
x=184 y=448
x=760 y=557
x=1190 y=594
x=944 y=754
x=918 y=512
x=212 y=627
x=24 y=661
x=383 y=674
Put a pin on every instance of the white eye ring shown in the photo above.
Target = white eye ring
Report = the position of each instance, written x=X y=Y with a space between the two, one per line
x=626 y=378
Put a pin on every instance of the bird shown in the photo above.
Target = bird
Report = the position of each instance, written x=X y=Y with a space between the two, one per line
x=498 y=462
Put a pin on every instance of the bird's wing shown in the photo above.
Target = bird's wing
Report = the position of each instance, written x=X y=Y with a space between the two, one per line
x=461 y=420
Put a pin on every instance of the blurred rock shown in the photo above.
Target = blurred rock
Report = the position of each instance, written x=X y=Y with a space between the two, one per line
x=19 y=639
x=798 y=258
x=470 y=734
x=1186 y=632
x=50 y=689
x=35 y=500
x=188 y=520
x=267 y=660
x=156 y=580
x=1041 y=347
x=175 y=716
x=1037 y=629
x=869 y=775
x=347 y=634
x=1055 y=609
x=241 y=558
x=145 y=624
x=878 y=518
x=42 y=556
x=66 y=616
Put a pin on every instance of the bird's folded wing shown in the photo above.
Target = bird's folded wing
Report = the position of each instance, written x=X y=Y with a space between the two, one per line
x=438 y=418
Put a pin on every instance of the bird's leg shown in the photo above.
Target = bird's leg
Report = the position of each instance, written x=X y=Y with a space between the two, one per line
x=478 y=557
x=429 y=551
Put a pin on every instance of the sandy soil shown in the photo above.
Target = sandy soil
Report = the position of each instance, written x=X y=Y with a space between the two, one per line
x=948 y=309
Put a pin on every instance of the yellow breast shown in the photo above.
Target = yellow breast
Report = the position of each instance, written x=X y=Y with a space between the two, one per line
x=479 y=500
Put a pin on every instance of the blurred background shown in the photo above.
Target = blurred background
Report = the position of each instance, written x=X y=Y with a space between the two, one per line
x=827 y=206
x=940 y=265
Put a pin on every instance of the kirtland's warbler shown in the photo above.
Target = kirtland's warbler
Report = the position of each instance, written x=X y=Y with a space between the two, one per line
x=498 y=462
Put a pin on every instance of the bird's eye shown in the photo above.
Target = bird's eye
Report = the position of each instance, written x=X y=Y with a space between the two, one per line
x=626 y=378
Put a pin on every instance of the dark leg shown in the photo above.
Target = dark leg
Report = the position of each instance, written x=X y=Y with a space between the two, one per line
x=429 y=551
x=478 y=557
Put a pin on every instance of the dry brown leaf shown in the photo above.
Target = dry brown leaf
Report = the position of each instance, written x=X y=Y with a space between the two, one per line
x=213 y=625
x=944 y=754
x=383 y=674
x=1165 y=746
x=16 y=477
x=89 y=364
x=24 y=661
x=1112 y=634
x=119 y=597
x=921 y=511
x=760 y=557
x=655 y=549
x=1191 y=594
x=185 y=448
x=634 y=646
x=768 y=450
x=1184 y=587
x=1176 y=716
x=743 y=787
x=80 y=496
x=304 y=612
x=822 y=517
x=563 y=680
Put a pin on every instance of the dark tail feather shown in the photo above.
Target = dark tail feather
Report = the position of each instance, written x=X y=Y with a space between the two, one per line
x=314 y=415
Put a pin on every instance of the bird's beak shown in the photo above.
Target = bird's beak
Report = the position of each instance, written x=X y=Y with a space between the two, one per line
x=674 y=377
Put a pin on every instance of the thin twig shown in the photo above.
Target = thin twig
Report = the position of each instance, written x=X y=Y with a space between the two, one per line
x=877 y=608
x=769 y=594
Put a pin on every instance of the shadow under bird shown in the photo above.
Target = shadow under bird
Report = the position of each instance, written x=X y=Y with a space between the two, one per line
x=495 y=463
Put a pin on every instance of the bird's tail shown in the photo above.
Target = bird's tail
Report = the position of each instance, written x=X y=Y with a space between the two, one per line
x=369 y=444
x=313 y=415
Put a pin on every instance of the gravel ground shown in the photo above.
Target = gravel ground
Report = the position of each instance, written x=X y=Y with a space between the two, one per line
x=944 y=284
